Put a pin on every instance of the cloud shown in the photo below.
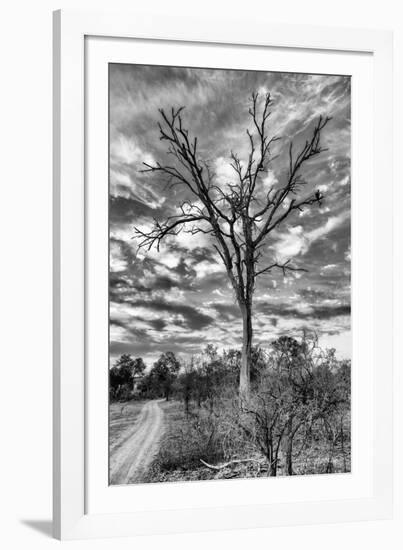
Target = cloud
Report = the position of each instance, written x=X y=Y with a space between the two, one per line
x=130 y=184
x=298 y=242
x=303 y=310
x=192 y=317
x=207 y=268
x=226 y=311
x=125 y=150
x=126 y=177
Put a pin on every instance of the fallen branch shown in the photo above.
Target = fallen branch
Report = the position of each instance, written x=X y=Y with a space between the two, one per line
x=230 y=463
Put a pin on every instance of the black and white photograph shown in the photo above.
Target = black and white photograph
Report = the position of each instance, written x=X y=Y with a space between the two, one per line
x=229 y=274
x=202 y=265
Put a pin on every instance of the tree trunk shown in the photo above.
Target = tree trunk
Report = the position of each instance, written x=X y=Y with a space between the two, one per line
x=342 y=445
x=246 y=357
x=289 y=436
x=272 y=457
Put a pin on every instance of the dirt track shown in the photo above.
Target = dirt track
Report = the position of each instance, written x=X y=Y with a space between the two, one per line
x=132 y=454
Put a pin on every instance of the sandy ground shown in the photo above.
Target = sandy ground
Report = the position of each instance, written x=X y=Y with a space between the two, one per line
x=134 y=450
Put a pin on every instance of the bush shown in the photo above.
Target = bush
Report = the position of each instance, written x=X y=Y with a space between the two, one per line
x=211 y=436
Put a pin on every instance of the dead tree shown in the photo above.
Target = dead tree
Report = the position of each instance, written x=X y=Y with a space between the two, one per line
x=240 y=215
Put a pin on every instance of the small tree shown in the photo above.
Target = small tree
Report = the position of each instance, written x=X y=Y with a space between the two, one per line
x=293 y=362
x=187 y=384
x=164 y=372
x=240 y=216
x=121 y=376
x=125 y=364
x=138 y=366
x=284 y=400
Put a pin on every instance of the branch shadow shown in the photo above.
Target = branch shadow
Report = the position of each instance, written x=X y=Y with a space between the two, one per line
x=43 y=526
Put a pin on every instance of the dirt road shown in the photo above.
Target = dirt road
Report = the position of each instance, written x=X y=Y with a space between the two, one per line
x=133 y=452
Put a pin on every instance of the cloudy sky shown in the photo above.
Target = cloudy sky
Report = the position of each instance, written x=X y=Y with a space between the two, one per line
x=179 y=298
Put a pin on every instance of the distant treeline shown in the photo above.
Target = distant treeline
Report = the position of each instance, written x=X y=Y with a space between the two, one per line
x=203 y=376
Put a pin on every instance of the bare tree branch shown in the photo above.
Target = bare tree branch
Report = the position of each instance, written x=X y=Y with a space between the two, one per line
x=284 y=267
x=230 y=463
x=311 y=149
x=160 y=231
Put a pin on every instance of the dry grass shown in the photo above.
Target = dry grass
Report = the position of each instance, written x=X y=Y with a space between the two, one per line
x=202 y=434
x=215 y=438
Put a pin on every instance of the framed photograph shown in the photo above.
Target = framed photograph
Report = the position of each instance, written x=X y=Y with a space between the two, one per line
x=222 y=305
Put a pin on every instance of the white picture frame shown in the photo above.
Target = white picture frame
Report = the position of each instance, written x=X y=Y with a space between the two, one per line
x=73 y=200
